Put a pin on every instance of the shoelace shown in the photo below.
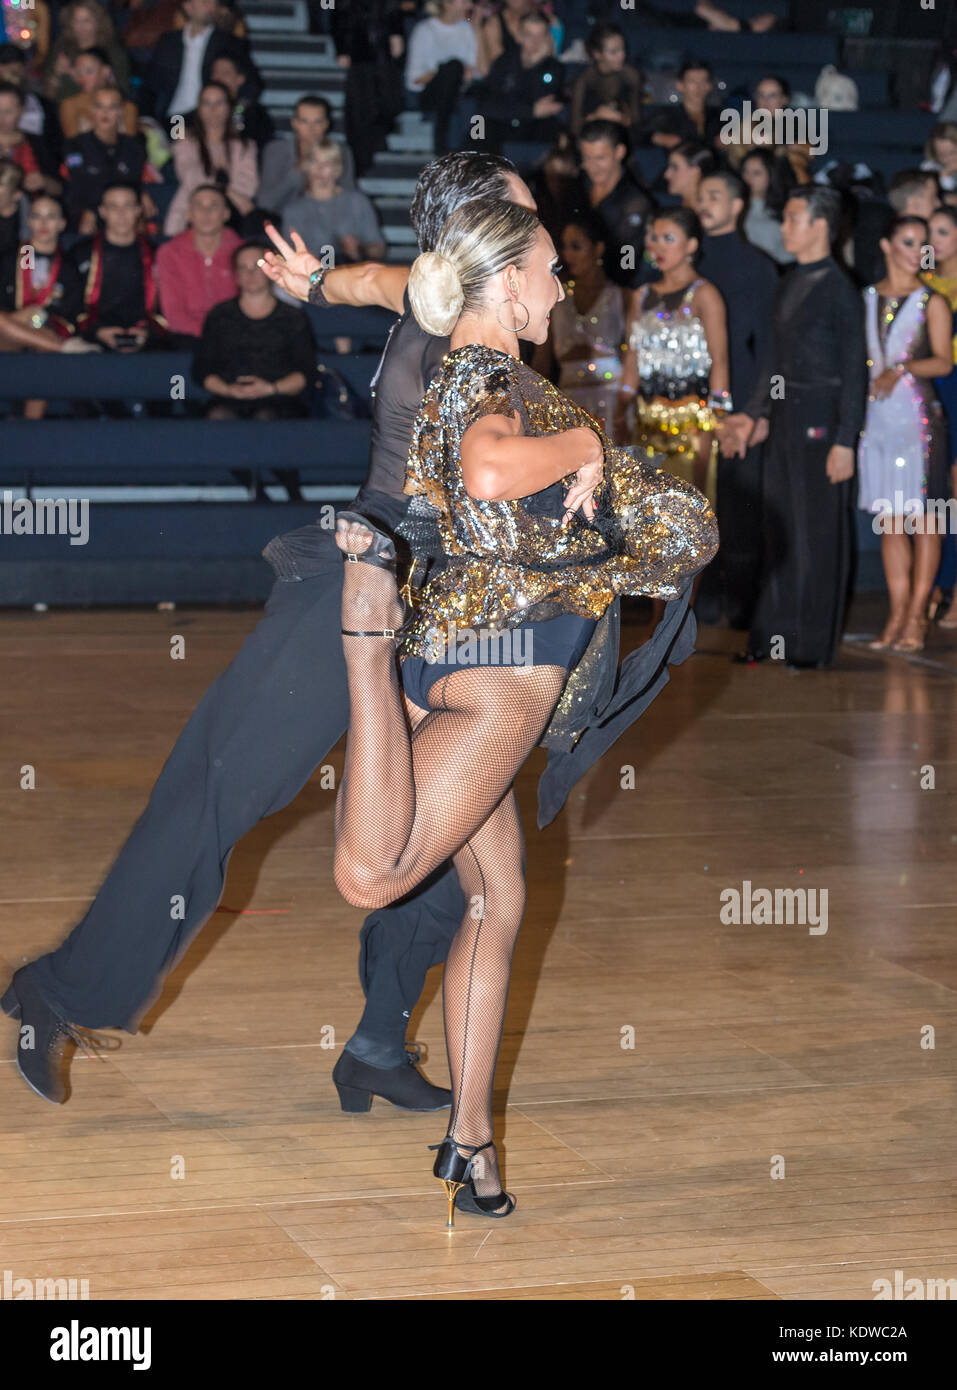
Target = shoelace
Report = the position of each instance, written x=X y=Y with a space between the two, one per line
x=90 y=1044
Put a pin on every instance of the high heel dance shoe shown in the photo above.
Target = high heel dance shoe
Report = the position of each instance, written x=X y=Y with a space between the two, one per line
x=455 y=1171
x=381 y=553
x=913 y=636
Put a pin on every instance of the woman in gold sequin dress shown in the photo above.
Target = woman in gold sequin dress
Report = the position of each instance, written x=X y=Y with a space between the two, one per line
x=542 y=523
x=676 y=371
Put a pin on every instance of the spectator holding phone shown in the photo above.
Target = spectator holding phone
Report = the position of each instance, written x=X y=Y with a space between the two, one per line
x=120 y=291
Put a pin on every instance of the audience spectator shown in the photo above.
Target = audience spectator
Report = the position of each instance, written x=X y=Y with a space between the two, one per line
x=98 y=158
x=370 y=43
x=234 y=72
x=41 y=292
x=442 y=60
x=256 y=356
x=83 y=25
x=30 y=152
x=557 y=186
x=282 y=178
x=331 y=216
x=941 y=152
x=27 y=27
x=37 y=115
x=213 y=152
x=524 y=95
x=616 y=197
x=499 y=31
x=768 y=186
x=120 y=296
x=691 y=118
x=194 y=270
x=11 y=196
x=91 y=71
x=609 y=89
x=183 y=59
x=687 y=165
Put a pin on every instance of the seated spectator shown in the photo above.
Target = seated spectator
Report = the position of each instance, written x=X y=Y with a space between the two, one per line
x=442 y=60
x=769 y=179
x=914 y=193
x=41 y=294
x=120 y=294
x=691 y=118
x=617 y=199
x=83 y=25
x=720 y=21
x=500 y=31
x=11 y=196
x=92 y=71
x=236 y=74
x=214 y=152
x=98 y=158
x=609 y=89
x=331 y=216
x=557 y=186
x=687 y=165
x=195 y=270
x=28 y=28
x=36 y=113
x=256 y=355
x=183 y=59
x=771 y=94
x=524 y=90
x=370 y=43
x=29 y=152
x=941 y=155
x=282 y=179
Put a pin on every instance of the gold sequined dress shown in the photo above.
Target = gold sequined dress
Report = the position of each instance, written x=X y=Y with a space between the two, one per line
x=512 y=563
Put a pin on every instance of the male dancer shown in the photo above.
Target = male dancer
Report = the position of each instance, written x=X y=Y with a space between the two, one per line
x=255 y=739
x=812 y=385
x=747 y=280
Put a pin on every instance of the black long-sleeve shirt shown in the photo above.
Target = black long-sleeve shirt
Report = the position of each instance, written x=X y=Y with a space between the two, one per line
x=234 y=345
x=747 y=281
x=817 y=342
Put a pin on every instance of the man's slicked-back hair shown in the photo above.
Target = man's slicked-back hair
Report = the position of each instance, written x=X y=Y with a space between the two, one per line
x=450 y=181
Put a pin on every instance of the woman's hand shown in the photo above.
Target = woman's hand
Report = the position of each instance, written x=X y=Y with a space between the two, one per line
x=587 y=478
x=883 y=385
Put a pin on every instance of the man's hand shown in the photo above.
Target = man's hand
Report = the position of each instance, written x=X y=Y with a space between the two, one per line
x=351 y=247
x=289 y=266
x=840 y=463
x=546 y=106
x=733 y=434
x=760 y=432
x=396 y=45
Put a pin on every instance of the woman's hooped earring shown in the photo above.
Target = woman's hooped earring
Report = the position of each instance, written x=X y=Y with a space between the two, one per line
x=514 y=328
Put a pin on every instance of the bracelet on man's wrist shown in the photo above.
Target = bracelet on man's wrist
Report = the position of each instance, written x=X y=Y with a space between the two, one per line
x=317 y=294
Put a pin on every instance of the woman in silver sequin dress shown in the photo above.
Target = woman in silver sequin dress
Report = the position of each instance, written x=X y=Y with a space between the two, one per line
x=542 y=522
x=588 y=325
x=676 y=371
x=902 y=453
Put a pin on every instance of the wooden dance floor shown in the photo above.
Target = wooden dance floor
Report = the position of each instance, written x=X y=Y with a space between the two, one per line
x=690 y=1108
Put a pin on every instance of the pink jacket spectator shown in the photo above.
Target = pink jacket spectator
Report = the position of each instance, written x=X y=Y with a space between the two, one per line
x=190 y=283
x=243 y=176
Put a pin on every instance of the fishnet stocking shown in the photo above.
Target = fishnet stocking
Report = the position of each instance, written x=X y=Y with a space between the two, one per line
x=406 y=803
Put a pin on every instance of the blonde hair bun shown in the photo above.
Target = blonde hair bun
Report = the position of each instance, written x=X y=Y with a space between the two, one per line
x=435 y=293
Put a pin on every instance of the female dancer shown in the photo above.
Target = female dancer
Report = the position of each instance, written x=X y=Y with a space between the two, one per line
x=943 y=239
x=687 y=165
x=677 y=359
x=543 y=523
x=902 y=457
x=588 y=324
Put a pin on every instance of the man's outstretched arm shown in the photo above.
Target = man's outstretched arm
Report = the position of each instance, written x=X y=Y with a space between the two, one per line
x=361 y=286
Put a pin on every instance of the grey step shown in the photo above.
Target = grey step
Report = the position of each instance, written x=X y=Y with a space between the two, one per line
x=413 y=120
x=389 y=187
x=271 y=51
x=397 y=235
x=391 y=164
x=282 y=16
x=282 y=102
x=419 y=141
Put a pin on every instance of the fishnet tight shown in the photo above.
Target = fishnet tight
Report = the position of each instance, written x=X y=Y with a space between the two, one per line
x=408 y=802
